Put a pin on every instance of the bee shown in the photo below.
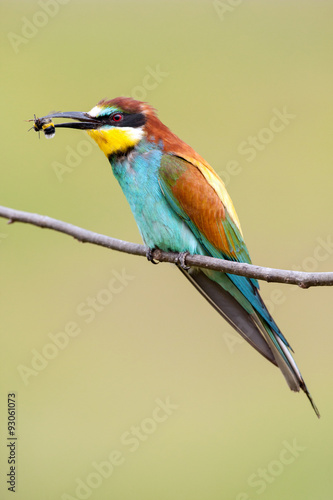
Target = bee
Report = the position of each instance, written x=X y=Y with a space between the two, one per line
x=46 y=125
x=49 y=129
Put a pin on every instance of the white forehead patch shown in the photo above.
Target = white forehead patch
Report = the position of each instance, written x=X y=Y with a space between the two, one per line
x=95 y=111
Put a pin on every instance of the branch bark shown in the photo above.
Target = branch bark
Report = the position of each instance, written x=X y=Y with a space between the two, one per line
x=302 y=279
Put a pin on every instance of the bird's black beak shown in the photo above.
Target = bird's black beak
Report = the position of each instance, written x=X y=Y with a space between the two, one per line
x=83 y=120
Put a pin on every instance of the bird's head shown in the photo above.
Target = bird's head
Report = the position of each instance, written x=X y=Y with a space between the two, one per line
x=117 y=125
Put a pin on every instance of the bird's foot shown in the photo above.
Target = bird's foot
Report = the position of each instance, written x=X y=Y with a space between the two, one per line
x=181 y=260
x=149 y=255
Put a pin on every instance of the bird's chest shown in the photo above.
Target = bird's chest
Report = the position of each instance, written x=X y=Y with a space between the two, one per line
x=159 y=225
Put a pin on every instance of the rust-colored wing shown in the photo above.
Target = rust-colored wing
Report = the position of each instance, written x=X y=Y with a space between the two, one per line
x=199 y=196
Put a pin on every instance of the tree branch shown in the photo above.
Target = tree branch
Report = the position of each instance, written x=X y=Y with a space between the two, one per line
x=302 y=279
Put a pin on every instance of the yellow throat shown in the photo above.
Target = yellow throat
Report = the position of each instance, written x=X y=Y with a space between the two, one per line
x=116 y=139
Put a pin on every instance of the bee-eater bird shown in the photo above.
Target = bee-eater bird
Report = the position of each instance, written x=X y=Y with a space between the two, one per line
x=181 y=205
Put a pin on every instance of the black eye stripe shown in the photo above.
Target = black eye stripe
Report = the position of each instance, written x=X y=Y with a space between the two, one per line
x=128 y=120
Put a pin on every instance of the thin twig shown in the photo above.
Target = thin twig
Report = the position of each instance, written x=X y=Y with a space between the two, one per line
x=302 y=279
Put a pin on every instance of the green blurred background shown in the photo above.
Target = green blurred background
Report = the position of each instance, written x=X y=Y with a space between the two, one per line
x=218 y=71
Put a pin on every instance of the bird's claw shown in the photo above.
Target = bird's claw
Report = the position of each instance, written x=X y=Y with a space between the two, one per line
x=149 y=255
x=181 y=260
